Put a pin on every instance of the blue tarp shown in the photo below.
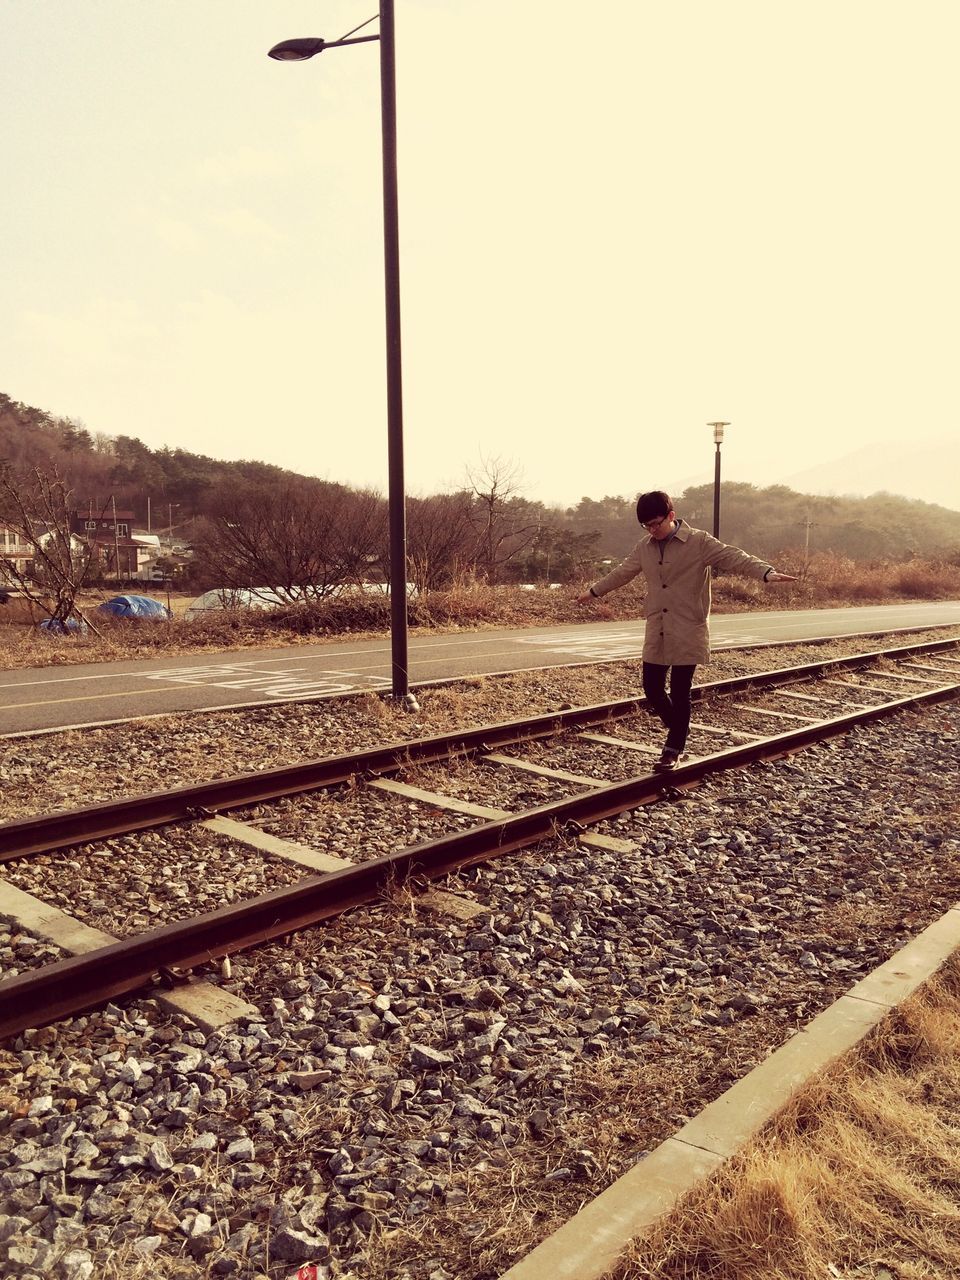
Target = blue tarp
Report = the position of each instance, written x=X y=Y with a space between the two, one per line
x=134 y=607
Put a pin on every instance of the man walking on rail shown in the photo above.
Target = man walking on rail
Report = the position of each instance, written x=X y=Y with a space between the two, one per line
x=676 y=560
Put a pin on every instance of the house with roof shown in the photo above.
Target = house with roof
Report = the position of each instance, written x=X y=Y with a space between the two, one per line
x=110 y=535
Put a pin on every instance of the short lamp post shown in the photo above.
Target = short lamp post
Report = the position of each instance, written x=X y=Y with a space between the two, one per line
x=718 y=441
x=298 y=51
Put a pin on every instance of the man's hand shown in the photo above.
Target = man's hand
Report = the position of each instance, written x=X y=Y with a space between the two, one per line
x=586 y=598
x=781 y=577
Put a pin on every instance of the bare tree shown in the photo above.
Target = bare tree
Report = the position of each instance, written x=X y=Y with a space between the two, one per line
x=298 y=537
x=504 y=523
x=440 y=538
x=364 y=536
x=561 y=554
x=36 y=505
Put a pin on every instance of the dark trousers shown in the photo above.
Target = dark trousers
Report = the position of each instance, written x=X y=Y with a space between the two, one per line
x=673 y=708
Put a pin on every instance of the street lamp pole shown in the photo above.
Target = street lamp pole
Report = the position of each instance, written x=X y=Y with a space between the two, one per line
x=391 y=275
x=295 y=51
x=718 y=440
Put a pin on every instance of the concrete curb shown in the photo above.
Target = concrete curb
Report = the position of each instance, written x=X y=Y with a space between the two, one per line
x=588 y=1245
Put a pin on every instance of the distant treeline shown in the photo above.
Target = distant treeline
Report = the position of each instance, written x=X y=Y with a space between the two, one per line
x=512 y=537
x=774 y=519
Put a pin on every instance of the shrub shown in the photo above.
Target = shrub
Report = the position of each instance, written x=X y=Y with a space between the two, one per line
x=332 y=617
x=927 y=581
x=739 y=591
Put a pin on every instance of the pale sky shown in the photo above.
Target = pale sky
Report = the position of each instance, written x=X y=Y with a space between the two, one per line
x=618 y=222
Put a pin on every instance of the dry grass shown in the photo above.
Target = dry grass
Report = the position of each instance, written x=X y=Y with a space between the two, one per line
x=858 y=1177
x=875 y=581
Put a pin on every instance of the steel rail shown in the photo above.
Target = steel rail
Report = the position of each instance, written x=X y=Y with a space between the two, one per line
x=22 y=837
x=81 y=982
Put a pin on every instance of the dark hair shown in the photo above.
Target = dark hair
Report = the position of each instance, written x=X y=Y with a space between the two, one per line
x=651 y=506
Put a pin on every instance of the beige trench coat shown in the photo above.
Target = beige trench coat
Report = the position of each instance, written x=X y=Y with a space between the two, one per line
x=677 y=605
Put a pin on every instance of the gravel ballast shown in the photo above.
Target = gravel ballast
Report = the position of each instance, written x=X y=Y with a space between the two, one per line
x=426 y=1097
x=129 y=884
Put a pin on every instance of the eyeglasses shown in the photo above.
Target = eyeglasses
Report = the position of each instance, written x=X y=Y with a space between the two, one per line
x=653 y=525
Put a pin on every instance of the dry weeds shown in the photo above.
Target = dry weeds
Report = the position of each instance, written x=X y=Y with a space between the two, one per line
x=859 y=1176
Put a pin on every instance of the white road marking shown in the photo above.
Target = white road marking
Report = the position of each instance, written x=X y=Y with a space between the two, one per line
x=275 y=684
x=735 y=642
x=611 y=644
x=324 y=687
x=252 y=662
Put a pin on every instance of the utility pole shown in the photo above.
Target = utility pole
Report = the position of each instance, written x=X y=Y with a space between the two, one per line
x=116 y=537
x=807 y=526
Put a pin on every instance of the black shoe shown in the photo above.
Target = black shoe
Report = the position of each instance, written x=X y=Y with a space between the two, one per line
x=669 y=760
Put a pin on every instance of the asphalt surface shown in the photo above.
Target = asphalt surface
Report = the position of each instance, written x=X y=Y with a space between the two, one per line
x=43 y=699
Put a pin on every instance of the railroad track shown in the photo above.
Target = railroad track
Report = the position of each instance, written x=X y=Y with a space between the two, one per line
x=732 y=714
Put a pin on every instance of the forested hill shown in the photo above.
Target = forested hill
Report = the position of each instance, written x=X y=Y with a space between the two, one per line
x=98 y=467
x=766 y=521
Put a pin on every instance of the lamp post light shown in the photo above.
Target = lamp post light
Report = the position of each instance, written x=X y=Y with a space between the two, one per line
x=718 y=440
x=298 y=51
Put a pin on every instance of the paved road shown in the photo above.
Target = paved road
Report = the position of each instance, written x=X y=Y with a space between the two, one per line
x=41 y=699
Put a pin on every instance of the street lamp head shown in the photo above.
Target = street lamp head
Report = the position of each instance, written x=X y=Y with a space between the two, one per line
x=297 y=50
x=718 y=431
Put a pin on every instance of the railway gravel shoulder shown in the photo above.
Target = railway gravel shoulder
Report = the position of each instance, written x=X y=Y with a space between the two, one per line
x=427 y=1097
